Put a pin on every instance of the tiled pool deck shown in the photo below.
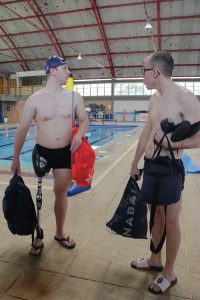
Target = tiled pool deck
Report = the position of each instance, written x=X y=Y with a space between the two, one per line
x=99 y=267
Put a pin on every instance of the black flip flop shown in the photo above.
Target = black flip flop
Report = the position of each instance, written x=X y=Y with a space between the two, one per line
x=62 y=240
x=39 y=247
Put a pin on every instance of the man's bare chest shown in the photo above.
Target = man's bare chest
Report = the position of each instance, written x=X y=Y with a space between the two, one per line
x=161 y=112
x=54 y=109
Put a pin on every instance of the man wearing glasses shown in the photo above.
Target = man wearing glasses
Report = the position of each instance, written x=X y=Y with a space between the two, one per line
x=175 y=102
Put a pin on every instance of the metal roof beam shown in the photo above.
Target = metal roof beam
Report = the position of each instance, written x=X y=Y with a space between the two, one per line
x=158 y=24
x=46 y=14
x=124 y=66
x=103 y=35
x=43 y=21
x=74 y=10
x=15 y=51
x=112 y=53
x=109 y=39
x=108 y=24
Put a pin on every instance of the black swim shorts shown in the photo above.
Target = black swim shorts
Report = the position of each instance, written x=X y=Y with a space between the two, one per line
x=178 y=164
x=59 y=158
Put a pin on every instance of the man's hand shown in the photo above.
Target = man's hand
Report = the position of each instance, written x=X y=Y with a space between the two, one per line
x=76 y=142
x=135 y=173
x=15 y=166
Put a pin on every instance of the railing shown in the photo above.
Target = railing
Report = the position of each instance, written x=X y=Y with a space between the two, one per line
x=24 y=90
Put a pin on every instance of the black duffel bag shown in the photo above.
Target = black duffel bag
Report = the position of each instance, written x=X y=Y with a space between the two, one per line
x=130 y=217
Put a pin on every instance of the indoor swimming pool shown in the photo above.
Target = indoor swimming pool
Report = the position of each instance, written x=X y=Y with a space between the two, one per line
x=98 y=135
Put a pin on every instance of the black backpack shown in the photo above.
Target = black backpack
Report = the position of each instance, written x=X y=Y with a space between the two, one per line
x=18 y=207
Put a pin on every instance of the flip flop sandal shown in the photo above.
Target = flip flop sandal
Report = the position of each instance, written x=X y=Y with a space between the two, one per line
x=38 y=250
x=163 y=283
x=142 y=264
x=63 y=240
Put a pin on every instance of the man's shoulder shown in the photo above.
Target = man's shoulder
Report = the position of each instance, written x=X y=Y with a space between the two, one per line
x=40 y=92
x=77 y=97
x=185 y=95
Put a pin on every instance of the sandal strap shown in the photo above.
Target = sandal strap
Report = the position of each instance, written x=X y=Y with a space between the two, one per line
x=37 y=247
x=142 y=263
x=162 y=283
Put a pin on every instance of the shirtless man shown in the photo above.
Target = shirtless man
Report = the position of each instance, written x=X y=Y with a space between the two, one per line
x=51 y=107
x=177 y=103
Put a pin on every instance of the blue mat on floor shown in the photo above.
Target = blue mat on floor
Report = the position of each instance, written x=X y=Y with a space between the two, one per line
x=74 y=189
x=189 y=164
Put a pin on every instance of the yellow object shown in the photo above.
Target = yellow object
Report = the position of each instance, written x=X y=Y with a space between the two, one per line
x=70 y=83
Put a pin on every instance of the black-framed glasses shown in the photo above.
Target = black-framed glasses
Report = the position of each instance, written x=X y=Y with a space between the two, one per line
x=144 y=70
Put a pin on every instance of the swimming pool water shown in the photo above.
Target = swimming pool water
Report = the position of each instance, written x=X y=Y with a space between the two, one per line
x=97 y=136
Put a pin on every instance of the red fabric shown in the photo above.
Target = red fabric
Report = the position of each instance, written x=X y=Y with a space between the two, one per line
x=82 y=162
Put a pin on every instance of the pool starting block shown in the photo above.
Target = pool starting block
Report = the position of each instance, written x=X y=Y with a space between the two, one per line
x=74 y=189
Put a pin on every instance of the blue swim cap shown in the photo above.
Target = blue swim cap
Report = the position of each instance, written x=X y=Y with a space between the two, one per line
x=54 y=62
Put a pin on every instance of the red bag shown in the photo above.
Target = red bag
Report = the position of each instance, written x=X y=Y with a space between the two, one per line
x=82 y=162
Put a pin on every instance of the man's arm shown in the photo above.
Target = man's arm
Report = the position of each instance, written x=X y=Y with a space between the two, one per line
x=84 y=122
x=191 y=112
x=143 y=140
x=26 y=119
x=189 y=143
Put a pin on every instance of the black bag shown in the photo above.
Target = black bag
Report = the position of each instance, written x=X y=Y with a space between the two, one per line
x=130 y=217
x=162 y=180
x=162 y=185
x=18 y=207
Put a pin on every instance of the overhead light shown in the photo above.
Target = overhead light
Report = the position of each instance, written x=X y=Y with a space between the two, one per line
x=148 y=27
x=79 y=56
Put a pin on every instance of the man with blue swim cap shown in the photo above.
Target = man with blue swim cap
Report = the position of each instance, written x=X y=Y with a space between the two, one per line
x=53 y=110
x=54 y=62
x=174 y=111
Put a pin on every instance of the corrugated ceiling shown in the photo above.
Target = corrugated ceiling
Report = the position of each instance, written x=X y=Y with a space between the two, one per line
x=110 y=35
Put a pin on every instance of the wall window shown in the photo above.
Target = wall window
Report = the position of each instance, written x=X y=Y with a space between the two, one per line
x=86 y=88
x=190 y=86
x=94 y=89
x=139 y=88
x=117 y=89
x=128 y=88
x=32 y=80
x=132 y=89
x=79 y=88
x=108 y=89
x=197 y=88
x=181 y=83
x=101 y=89
x=148 y=92
x=124 y=88
x=193 y=86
